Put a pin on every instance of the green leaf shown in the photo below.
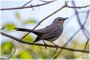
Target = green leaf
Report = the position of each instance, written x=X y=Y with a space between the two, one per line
x=6 y=47
x=29 y=22
x=18 y=16
x=28 y=38
x=9 y=26
x=24 y=54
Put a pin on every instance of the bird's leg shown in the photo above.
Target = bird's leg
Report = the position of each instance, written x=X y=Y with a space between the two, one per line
x=45 y=44
x=54 y=44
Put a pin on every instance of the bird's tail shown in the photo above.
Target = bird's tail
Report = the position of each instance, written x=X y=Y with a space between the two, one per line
x=26 y=30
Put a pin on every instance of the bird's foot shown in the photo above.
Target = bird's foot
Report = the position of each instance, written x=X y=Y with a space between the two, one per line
x=56 y=47
x=45 y=45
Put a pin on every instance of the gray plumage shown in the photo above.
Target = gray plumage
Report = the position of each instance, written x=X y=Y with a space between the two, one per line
x=49 y=33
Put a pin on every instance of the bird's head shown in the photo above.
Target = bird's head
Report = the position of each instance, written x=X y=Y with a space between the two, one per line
x=59 y=20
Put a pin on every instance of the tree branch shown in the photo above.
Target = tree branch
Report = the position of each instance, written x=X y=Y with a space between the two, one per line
x=23 y=7
x=52 y=46
x=83 y=26
x=27 y=3
x=78 y=19
x=79 y=7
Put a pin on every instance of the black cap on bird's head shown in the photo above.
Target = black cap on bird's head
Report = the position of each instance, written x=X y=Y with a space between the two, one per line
x=59 y=20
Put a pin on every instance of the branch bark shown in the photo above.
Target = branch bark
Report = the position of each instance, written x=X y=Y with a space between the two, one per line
x=23 y=7
x=37 y=44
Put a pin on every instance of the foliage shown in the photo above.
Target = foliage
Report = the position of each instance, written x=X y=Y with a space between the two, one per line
x=28 y=38
x=6 y=47
x=29 y=22
x=9 y=26
x=18 y=16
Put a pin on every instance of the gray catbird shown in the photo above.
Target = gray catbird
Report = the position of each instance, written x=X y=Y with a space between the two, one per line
x=49 y=33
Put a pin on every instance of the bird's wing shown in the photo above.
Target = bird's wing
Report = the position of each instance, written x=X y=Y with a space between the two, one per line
x=56 y=32
x=46 y=29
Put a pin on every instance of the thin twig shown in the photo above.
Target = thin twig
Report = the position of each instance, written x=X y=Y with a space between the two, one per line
x=77 y=15
x=45 y=1
x=32 y=7
x=14 y=8
x=79 y=7
x=2 y=28
x=26 y=3
x=82 y=28
x=37 y=44
x=86 y=44
x=87 y=39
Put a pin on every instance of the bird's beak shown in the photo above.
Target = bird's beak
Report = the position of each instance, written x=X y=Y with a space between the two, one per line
x=65 y=18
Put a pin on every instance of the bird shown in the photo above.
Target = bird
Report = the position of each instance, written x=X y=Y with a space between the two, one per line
x=49 y=33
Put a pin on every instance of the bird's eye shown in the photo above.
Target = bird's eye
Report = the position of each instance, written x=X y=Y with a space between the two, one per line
x=59 y=19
